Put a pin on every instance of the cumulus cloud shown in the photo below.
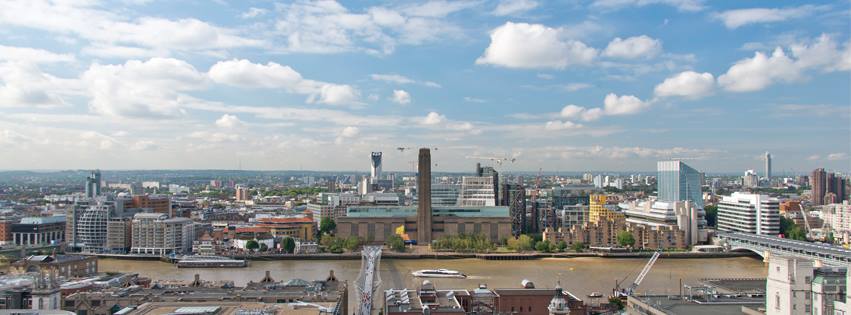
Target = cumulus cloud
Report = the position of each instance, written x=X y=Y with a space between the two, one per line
x=762 y=70
x=433 y=118
x=401 y=97
x=228 y=121
x=634 y=47
x=687 y=84
x=350 y=132
x=561 y=125
x=523 y=45
x=23 y=84
x=142 y=88
x=733 y=19
x=347 y=133
x=510 y=7
x=623 y=105
x=837 y=156
x=244 y=73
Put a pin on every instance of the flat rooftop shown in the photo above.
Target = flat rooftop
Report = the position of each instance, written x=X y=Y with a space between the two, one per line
x=736 y=286
x=721 y=305
x=226 y=308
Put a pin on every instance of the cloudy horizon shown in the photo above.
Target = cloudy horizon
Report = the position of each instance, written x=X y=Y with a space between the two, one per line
x=317 y=85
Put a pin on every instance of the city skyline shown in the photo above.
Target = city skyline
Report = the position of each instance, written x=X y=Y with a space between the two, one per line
x=598 y=85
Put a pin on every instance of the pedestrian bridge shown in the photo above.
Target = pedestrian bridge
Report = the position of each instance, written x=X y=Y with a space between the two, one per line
x=766 y=246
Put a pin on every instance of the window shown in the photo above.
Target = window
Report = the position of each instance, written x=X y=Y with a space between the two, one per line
x=777 y=300
x=807 y=279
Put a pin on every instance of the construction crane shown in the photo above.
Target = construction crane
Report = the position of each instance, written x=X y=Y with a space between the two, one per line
x=495 y=159
x=632 y=287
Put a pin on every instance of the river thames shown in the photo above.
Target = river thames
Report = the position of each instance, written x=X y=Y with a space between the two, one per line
x=580 y=276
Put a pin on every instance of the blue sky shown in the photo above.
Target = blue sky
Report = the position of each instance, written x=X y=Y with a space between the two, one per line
x=561 y=85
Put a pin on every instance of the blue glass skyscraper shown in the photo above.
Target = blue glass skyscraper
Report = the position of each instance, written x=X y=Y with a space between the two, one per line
x=677 y=181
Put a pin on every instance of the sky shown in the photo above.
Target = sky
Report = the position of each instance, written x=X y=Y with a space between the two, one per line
x=555 y=85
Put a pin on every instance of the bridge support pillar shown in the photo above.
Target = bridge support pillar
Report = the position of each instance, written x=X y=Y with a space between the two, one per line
x=766 y=256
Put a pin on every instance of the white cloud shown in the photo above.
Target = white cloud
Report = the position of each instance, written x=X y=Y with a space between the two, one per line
x=687 y=84
x=142 y=88
x=253 y=13
x=682 y=5
x=761 y=71
x=33 y=55
x=522 y=45
x=433 y=118
x=740 y=17
x=511 y=7
x=393 y=78
x=329 y=27
x=572 y=111
x=347 y=133
x=814 y=157
x=561 y=125
x=401 y=97
x=107 y=29
x=23 y=84
x=756 y=73
x=634 y=47
x=228 y=121
x=837 y=156
x=400 y=79
x=623 y=105
x=244 y=73
x=350 y=132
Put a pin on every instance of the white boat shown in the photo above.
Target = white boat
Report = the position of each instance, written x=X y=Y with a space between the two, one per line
x=595 y=295
x=438 y=273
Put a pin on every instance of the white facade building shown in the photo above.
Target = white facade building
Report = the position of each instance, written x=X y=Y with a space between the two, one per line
x=477 y=191
x=157 y=234
x=796 y=286
x=681 y=214
x=838 y=217
x=749 y=213
x=750 y=179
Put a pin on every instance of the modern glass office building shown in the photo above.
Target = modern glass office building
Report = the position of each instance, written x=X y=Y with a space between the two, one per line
x=677 y=181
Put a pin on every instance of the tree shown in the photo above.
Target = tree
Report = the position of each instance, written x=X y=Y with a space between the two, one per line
x=544 y=246
x=521 y=243
x=352 y=243
x=577 y=247
x=796 y=233
x=711 y=214
x=791 y=230
x=252 y=245
x=396 y=243
x=327 y=226
x=561 y=246
x=288 y=245
x=626 y=239
x=264 y=247
x=616 y=302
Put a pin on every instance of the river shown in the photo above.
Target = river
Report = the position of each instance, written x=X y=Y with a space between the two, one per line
x=580 y=276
